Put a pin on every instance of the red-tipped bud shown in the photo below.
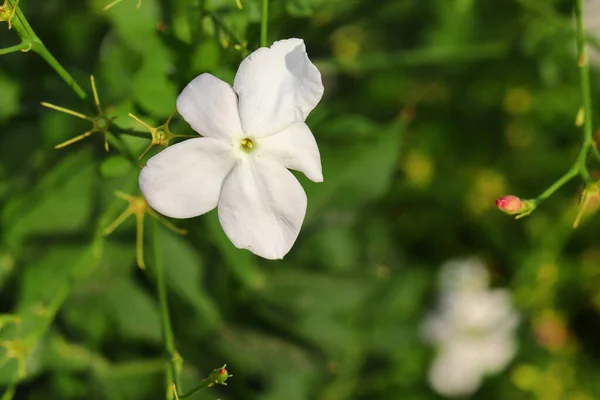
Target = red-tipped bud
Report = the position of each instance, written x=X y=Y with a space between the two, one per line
x=509 y=204
x=219 y=376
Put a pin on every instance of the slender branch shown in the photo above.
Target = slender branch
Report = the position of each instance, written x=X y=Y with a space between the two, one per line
x=264 y=22
x=31 y=40
x=584 y=119
x=172 y=374
x=570 y=174
x=18 y=47
x=205 y=384
x=586 y=93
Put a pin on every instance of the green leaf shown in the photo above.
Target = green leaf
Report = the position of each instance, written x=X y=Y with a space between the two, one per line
x=152 y=89
x=305 y=303
x=115 y=166
x=243 y=264
x=356 y=173
x=286 y=369
x=136 y=26
x=9 y=101
x=60 y=203
x=184 y=270
x=134 y=311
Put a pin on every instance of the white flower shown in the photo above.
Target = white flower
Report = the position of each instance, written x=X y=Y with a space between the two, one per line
x=252 y=133
x=473 y=330
x=464 y=274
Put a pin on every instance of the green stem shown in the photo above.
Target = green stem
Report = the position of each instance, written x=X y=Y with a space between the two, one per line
x=18 y=47
x=43 y=52
x=172 y=373
x=29 y=38
x=588 y=145
x=264 y=22
x=586 y=92
x=570 y=174
x=205 y=384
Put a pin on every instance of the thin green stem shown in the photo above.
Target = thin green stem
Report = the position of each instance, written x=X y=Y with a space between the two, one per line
x=586 y=92
x=43 y=52
x=588 y=144
x=570 y=174
x=264 y=22
x=171 y=375
x=205 y=384
x=32 y=41
x=18 y=47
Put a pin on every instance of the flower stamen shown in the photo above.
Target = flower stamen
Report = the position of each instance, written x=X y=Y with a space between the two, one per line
x=247 y=144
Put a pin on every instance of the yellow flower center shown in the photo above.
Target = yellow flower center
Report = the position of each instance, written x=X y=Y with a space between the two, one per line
x=247 y=144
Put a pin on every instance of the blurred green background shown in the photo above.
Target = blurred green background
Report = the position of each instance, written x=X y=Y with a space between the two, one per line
x=432 y=110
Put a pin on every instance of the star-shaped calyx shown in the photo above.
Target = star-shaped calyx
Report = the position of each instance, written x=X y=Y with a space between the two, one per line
x=100 y=123
x=139 y=207
x=161 y=135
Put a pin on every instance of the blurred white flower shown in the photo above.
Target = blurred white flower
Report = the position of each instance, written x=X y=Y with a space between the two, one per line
x=465 y=274
x=252 y=132
x=472 y=330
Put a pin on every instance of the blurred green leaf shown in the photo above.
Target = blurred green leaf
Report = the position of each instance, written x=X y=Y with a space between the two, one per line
x=115 y=166
x=184 y=273
x=367 y=177
x=9 y=101
x=59 y=203
x=134 y=311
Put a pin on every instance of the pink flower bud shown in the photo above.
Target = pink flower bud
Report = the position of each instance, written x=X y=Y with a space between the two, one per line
x=509 y=204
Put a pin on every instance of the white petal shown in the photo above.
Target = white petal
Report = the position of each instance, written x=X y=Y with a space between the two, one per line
x=277 y=86
x=496 y=351
x=262 y=207
x=210 y=106
x=455 y=371
x=184 y=180
x=295 y=148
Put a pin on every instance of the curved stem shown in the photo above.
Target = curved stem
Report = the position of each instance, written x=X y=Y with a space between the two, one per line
x=264 y=22
x=588 y=144
x=29 y=38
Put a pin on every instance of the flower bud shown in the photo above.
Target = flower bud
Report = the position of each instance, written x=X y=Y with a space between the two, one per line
x=218 y=376
x=509 y=204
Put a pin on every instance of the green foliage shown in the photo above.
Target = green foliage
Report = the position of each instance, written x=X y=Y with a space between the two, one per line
x=432 y=110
